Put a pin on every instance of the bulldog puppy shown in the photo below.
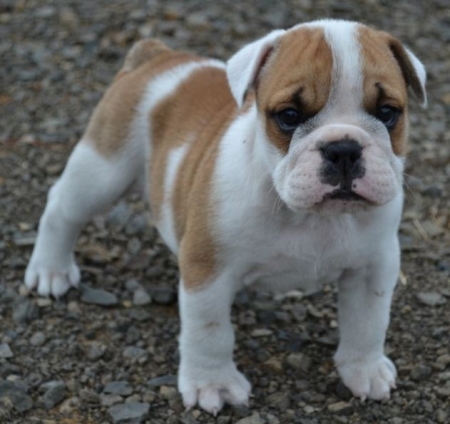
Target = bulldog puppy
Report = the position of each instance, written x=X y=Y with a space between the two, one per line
x=282 y=168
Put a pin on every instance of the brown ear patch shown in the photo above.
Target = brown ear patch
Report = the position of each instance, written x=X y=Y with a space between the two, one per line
x=198 y=113
x=409 y=73
x=297 y=74
x=381 y=69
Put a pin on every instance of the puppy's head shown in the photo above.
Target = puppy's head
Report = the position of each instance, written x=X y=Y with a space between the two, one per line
x=332 y=110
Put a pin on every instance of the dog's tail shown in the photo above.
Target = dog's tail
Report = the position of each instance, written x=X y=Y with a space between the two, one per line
x=141 y=52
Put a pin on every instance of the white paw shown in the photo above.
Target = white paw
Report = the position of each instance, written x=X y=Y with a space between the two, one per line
x=371 y=379
x=211 y=389
x=50 y=279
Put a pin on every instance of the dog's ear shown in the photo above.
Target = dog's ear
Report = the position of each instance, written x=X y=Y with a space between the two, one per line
x=244 y=66
x=412 y=69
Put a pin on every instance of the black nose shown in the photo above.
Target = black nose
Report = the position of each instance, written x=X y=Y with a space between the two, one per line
x=342 y=163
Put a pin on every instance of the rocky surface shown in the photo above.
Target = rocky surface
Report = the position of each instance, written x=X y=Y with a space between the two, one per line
x=108 y=353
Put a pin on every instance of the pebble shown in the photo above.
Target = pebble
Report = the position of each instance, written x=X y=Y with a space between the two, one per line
x=165 y=380
x=274 y=364
x=261 y=332
x=168 y=392
x=280 y=400
x=188 y=418
x=299 y=361
x=443 y=360
x=164 y=295
x=121 y=388
x=98 y=297
x=132 y=285
x=133 y=352
x=140 y=315
x=5 y=351
x=119 y=215
x=253 y=419
x=129 y=413
x=69 y=405
x=341 y=408
x=141 y=297
x=38 y=339
x=197 y=21
x=431 y=298
x=441 y=416
x=44 y=302
x=94 y=350
x=24 y=310
x=54 y=394
x=89 y=396
x=16 y=394
x=420 y=372
x=110 y=400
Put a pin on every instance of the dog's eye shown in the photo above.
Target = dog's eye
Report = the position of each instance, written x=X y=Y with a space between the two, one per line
x=288 y=120
x=388 y=115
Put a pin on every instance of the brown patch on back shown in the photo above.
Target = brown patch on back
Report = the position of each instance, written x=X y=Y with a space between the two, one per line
x=198 y=112
x=382 y=69
x=109 y=125
x=298 y=75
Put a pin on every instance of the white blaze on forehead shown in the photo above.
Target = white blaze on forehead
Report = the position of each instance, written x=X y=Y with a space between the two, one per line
x=347 y=76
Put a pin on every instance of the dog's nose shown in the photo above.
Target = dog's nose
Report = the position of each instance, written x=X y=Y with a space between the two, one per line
x=343 y=162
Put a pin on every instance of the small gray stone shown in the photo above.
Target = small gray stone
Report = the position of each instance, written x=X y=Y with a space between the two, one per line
x=140 y=315
x=37 y=339
x=164 y=295
x=280 y=400
x=16 y=394
x=420 y=372
x=253 y=419
x=54 y=394
x=134 y=352
x=168 y=392
x=95 y=350
x=119 y=215
x=89 y=396
x=137 y=224
x=341 y=408
x=165 y=380
x=24 y=310
x=98 y=297
x=441 y=416
x=121 y=388
x=197 y=21
x=299 y=361
x=110 y=400
x=431 y=298
x=5 y=351
x=188 y=418
x=132 y=285
x=129 y=413
x=141 y=297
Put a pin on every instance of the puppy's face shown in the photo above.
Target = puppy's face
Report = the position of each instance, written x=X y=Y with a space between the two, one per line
x=332 y=108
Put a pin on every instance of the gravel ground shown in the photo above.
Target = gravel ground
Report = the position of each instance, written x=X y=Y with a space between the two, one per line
x=111 y=349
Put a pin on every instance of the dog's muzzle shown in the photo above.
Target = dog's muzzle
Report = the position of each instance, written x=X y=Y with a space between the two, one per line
x=342 y=164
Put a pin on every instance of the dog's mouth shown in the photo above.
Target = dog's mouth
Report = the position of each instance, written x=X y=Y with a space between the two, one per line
x=342 y=194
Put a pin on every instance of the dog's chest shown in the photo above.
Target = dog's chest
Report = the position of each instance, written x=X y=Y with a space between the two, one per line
x=303 y=257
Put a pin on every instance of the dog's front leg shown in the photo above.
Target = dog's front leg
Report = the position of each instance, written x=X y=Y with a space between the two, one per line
x=208 y=374
x=364 y=307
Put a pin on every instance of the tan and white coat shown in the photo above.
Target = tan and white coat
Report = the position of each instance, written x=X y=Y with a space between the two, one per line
x=239 y=201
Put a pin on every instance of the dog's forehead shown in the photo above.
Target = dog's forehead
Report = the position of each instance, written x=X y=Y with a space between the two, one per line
x=330 y=58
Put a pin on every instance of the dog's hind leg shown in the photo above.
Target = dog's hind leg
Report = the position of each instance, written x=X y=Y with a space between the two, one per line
x=89 y=183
